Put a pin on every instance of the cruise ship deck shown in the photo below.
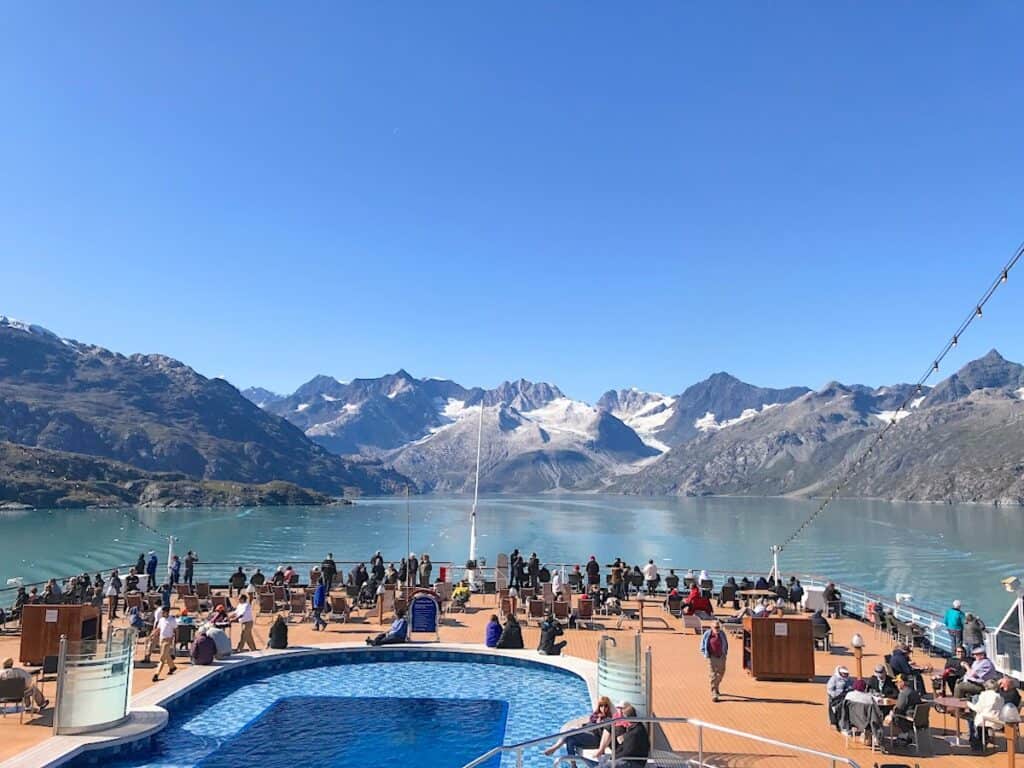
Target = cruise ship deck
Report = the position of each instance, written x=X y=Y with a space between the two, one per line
x=792 y=712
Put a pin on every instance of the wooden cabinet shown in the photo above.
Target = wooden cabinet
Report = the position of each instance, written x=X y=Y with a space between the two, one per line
x=778 y=648
x=42 y=626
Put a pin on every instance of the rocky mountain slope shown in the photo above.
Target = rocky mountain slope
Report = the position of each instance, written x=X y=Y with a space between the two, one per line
x=156 y=414
x=961 y=441
x=37 y=477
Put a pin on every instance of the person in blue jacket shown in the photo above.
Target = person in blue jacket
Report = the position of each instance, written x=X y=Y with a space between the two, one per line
x=319 y=601
x=954 y=621
x=493 y=632
x=151 y=572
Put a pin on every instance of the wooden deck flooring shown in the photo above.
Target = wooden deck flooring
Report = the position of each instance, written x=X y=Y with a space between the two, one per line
x=789 y=712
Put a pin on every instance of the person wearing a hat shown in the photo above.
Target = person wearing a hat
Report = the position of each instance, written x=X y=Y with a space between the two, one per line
x=901 y=665
x=906 y=703
x=954 y=622
x=982 y=670
x=880 y=684
x=838 y=686
x=32 y=694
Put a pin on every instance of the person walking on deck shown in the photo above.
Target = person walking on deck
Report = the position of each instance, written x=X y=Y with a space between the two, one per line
x=165 y=630
x=243 y=615
x=714 y=646
x=319 y=603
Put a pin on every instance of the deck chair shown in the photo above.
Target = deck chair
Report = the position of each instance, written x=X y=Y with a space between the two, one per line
x=12 y=691
x=585 y=613
x=340 y=609
x=707 y=587
x=266 y=603
x=281 y=597
x=191 y=604
x=696 y=621
x=674 y=605
x=297 y=605
x=822 y=635
x=727 y=595
x=526 y=594
x=508 y=606
x=561 y=610
x=536 y=610
x=133 y=600
x=919 y=722
x=205 y=595
x=182 y=590
x=575 y=581
x=547 y=593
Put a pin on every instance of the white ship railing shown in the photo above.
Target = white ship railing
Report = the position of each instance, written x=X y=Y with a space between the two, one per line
x=698 y=759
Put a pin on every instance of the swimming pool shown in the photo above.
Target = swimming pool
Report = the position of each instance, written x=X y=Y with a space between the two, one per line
x=425 y=708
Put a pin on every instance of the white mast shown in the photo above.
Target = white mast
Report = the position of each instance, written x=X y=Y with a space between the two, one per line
x=475 y=583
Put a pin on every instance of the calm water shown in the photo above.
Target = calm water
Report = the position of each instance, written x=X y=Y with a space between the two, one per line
x=934 y=552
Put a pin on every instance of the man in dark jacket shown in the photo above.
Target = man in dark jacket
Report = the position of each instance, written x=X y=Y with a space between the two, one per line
x=328 y=570
x=633 y=745
x=881 y=684
x=549 y=630
x=151 y=572
x=511 y=634
x=593 y=571
x=237 y=581
x=906 y=703
x=191 y=558
x=533 y=571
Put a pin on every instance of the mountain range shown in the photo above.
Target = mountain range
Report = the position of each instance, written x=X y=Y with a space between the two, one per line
x=133 y=422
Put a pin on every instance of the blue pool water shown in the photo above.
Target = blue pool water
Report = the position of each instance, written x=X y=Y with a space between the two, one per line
x=328 y=731
x=353 y=709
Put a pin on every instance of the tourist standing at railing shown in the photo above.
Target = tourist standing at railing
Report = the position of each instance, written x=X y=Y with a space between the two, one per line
x=426 y=569
x=414 y=569
x=237 y=581
x=714 y=646
x=533 y=571
x=131 y=581
x=651 y=577
x=191 y=558
x=243 y=615
x=140 y=565
x=618 y=585
x=593 y=572
x=954 y=621
x=974 y=631
x=328 y=570
x=174 y=570
x=151 y=564
x=257 y=580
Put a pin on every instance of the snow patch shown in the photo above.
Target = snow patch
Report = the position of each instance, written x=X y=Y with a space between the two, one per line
x=1020 y=393
x=21 y=325
x=709 y=422
x=399 y=387
x=565 y=415
x=329 y=399
x=916 y=402
x=888 y=416
x=302 y=407
x=648 y=419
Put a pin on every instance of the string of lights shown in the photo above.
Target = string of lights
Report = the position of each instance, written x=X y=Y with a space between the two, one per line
x=977 y=311
x=133 y=517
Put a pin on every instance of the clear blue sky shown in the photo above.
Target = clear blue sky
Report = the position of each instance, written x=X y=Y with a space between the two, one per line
x=593 y=194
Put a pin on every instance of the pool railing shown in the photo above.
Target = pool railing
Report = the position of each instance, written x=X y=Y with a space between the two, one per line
x=701 y=753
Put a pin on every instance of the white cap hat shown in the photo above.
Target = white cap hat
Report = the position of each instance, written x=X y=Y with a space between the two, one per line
x=844 y=671
x=956 y=603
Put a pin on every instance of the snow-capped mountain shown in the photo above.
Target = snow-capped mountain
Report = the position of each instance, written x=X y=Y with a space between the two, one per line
x=644 y=412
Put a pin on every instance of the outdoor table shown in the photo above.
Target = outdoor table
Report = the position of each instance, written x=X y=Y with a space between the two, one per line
x=638 y=614
x=750 y=594
x=957 y=706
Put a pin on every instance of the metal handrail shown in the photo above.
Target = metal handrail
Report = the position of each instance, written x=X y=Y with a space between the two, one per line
x=700 y=725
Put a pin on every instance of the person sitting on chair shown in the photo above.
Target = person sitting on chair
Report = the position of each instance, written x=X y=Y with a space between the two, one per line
x=881 y=684
x=32 y=694
x=397 y=634
x=906 y=703
x=981 y=671
x=956 y=667
x=839 y=685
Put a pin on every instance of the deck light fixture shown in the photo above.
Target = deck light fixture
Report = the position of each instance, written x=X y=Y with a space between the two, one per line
x=857 y=643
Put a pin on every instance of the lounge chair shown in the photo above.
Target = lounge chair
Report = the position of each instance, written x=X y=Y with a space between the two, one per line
x=696 y=621
x=297 y=605
x=919 y=722
x=547 y=593
x=12 y=691
x=340 y=609
x=585 y=613
x=267 y=604
x=674 y=605
x=508 y=606
x=727 y=595
x=560 y=608
x=182 y=590
x=49 y=670
x=191 y=604
x=281 y=597
x=133 y=600
x=536 y=610
x=205 y=595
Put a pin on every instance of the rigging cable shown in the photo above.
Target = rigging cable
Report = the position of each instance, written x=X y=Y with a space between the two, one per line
x=852 y=469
